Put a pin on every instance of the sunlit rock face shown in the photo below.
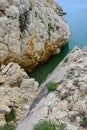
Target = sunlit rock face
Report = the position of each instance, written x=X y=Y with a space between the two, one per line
x=68 y=103
x=31 y=31
x=17 y=90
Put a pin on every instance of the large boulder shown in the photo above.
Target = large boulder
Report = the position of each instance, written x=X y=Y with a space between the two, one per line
x=31 y=31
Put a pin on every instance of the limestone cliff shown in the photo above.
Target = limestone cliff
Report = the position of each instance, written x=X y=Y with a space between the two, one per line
x=16 y=90
x=31 y=31
x=68 y=103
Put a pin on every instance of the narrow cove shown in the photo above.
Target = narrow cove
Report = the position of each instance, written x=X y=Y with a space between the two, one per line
x=77 y=21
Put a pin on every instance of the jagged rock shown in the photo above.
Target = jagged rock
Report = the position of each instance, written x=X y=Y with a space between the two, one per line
x=29 y=85
x=31 y=31
x=69 y=103
x=13 y=91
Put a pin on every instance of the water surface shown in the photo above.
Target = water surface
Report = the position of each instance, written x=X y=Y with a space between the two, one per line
x=77 y=20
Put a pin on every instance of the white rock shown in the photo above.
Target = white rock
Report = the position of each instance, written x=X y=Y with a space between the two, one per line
x=3 y=4
x=13 y=68
x=78 y=119
x=26 y=107
x=28 y=85
x=12 y=12
x=5 y=69
x=4 y=109
x=71 y=127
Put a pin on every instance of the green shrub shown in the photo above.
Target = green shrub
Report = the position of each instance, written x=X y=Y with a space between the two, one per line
x=8 y=126
x=57 y=27
x=52 y=86
x=45 y=125
x=50 y=125
x=10 y=116
x=31 y=6
x=22 y=20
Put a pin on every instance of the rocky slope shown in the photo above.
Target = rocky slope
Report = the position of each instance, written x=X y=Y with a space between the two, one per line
x=16 y=90
x=31 y=31
x=68 y=103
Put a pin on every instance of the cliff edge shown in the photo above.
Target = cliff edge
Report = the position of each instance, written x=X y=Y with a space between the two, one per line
x=31 y=31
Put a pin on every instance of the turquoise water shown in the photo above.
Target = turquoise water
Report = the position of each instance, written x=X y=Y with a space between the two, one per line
x=77 y=20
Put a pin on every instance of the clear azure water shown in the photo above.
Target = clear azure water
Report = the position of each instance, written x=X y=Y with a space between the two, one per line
x=77 y=20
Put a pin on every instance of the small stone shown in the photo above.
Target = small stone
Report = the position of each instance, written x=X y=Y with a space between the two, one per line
x=29 y=85
x=23 y=91
x=26 y=107
x=78 y=119
x=5 y=69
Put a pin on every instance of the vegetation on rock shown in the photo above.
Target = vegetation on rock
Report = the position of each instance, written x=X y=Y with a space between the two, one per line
x=10 y=116
x=45 y=125
x=52 y=86
x=8 y=126
x=31 y=6
x=49 y=125
x=22 y=20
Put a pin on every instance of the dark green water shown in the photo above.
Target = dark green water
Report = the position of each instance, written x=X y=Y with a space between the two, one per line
x=77 y=20
x=41 y=72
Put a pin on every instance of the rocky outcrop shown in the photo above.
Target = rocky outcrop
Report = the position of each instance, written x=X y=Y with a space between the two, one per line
x=16 y=90
x=31 y=31
x=68 y=104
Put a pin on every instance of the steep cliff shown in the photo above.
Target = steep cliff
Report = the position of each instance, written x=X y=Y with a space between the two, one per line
x=68 y=103
x=17 y=90
x=31 y=31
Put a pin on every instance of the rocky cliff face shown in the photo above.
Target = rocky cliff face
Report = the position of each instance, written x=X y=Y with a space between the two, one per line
x=31 y=31
x=68 y=104
x=16 y=90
